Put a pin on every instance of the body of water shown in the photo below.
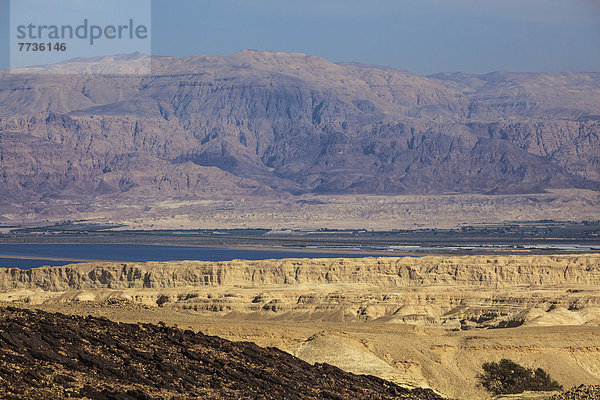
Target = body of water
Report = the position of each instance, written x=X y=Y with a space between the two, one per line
x=27 y=256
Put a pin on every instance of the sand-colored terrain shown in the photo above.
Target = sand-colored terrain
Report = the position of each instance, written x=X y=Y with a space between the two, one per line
x=415 y=321
x=314 y=211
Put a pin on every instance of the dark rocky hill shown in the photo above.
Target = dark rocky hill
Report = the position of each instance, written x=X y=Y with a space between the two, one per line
x=579 y=393
x=53 y=356
x=259 y=122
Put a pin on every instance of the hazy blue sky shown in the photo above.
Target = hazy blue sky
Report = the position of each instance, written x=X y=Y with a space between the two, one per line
x=424 y=36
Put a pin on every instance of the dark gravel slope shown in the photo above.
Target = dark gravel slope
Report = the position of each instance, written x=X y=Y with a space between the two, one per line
x=52 y=356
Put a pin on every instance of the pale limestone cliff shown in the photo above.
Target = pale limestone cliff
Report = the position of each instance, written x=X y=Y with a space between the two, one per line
x=390 y=272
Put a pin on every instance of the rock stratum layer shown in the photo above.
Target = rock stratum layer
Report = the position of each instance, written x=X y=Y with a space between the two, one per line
x=385 y=272
x=451 y=292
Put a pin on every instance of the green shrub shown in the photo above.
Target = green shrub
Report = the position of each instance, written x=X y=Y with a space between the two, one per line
x=507 y=377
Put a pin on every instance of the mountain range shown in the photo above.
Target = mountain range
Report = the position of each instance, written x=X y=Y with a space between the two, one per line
x=269 y=123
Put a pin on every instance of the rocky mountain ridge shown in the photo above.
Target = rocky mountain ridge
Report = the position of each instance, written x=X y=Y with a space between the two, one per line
x=268 y=123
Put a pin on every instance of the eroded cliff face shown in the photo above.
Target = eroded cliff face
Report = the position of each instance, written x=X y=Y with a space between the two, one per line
x=452 y=292
x=387 y=272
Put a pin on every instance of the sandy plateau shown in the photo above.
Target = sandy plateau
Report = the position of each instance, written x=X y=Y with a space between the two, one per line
x=313 y=211
x=429 y=321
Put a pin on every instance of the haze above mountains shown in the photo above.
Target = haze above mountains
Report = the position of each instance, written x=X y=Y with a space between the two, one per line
x=273 y=124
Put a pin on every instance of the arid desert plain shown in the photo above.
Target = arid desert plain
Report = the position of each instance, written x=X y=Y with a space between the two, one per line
x=427 y=322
